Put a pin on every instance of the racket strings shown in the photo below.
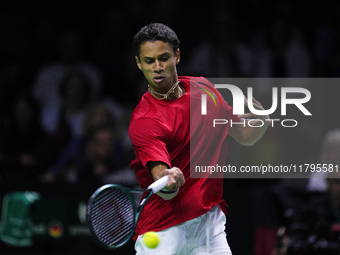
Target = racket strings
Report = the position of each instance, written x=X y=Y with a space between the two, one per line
x=112 y=216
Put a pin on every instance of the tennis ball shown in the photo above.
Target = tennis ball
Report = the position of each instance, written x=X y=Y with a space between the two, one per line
x=151 y=239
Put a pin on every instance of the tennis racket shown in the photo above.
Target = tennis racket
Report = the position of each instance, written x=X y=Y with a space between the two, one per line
x=112 y=213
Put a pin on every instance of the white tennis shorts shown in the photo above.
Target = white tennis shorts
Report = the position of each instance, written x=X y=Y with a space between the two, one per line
x=202 y=235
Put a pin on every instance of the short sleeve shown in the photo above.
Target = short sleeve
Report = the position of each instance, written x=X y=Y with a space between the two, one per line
x=229 y=108
x=148 y=140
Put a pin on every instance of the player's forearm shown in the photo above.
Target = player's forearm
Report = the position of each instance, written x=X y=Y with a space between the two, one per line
x=157 y=169
x=254 y=133
x=176 y=179
x=248 y=135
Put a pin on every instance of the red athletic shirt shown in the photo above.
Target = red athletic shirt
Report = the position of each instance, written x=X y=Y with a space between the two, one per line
x=160 y=131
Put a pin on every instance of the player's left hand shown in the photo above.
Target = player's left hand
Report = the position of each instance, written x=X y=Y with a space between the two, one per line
x=257 y=105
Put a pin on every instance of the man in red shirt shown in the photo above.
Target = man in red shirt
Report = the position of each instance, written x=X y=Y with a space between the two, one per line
x=189 y=214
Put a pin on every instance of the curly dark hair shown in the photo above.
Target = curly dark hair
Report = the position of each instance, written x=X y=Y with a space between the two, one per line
x=155 y=32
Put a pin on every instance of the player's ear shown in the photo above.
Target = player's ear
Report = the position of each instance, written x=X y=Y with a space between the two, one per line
x=138 y=63
x=177 y=56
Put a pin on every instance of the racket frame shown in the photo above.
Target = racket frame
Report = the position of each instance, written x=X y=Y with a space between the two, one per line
x=152 y=189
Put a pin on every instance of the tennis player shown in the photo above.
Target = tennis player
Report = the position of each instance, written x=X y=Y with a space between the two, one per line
x=189 y=215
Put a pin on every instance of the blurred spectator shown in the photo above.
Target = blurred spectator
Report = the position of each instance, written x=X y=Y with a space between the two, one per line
x=25 y=149
x=330 y=154
x=313 y=227
x=223 y=55
x=312 y=215
x=330 y=150
x=100 y=161
x=66 y=119
x=285 y=54
x=97 y=115
x=49 y=77
x=301 y=205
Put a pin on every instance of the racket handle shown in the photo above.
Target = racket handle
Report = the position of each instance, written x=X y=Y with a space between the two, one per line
x=159 y=184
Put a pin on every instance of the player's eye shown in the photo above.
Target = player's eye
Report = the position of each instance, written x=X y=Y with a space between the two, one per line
x=148 y=61
x=164 y=59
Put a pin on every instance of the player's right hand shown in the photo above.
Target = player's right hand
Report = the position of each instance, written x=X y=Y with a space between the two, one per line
x=176 y=178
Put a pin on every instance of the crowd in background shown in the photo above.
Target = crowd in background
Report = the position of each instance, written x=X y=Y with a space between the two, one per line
x=69 y=82
x=61 y=59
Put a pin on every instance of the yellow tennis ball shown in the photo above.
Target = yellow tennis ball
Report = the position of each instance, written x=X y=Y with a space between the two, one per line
x=151 y=239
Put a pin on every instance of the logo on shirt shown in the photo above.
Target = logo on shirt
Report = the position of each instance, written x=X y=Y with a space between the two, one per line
x=214 y=95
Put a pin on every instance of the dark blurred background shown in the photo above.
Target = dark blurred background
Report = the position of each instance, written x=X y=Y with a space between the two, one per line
x=69 y=82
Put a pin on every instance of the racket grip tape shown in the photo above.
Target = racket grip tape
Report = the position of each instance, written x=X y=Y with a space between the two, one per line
x=159 y=184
